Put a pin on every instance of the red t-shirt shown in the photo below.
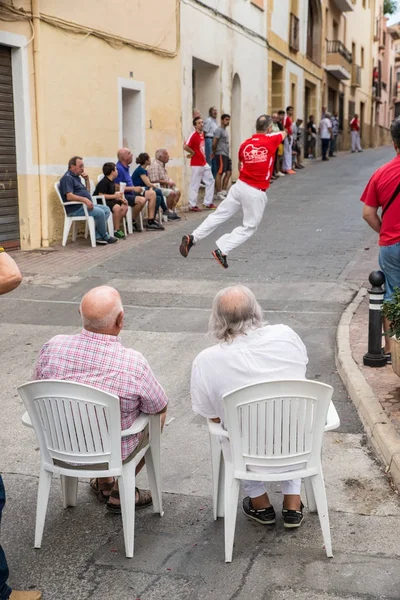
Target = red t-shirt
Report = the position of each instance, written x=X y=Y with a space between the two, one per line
x=257 y=155
x=287 y=123
x=354 y=125
x=378 y=192
x=196 y=143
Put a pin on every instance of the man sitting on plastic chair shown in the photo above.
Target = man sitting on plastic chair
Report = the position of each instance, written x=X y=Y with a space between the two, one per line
x=249 y=351
x=96 y=357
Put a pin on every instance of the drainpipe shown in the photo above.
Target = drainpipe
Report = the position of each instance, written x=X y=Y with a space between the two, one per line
x=41 y=149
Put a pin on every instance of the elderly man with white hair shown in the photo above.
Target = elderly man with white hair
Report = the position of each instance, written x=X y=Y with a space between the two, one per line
x=158 y=174
x=96 y=357
x=248 y=351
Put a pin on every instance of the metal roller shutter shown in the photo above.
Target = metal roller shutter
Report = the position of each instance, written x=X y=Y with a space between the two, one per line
x=9 y=219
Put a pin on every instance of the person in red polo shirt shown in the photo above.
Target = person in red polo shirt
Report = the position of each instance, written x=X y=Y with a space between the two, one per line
x=383 y=191
x=201 y=170
x=256 y=158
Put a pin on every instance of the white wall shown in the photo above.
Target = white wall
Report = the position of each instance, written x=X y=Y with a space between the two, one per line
x=280 y=19
x=233 y=51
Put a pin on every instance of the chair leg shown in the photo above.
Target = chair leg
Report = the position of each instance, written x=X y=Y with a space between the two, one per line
x=86 y=229
x=216 y=455
x=129 y=219
x=221 y=488
x=322 y=507
x=42 y=502
x=67 y=226
x=124 y=224
x=110 y=223
x=232 y=487
x=74 y=229
x=69 y=486
x=92 y=230
x=127 y=498
x=153 y=464
x=312 y=507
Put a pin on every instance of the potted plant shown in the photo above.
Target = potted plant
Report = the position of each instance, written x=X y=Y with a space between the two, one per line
x=391 y=311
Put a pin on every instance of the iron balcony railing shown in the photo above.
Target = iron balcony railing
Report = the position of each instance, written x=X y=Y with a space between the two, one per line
x=337 y=47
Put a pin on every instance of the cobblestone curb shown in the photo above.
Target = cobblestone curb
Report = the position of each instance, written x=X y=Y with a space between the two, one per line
x=381 y=434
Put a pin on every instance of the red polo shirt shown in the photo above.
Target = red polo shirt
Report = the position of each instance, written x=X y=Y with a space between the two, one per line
x=378 y=192
x=257 y=156
x=196 y=143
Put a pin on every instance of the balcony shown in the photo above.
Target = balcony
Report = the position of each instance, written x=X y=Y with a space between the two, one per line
x=294 y=33
x=344 y=5
x=338 y=60
x=355 y=76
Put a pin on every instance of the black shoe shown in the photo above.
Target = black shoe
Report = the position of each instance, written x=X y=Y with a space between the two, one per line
x=265 y=516
x=173 y=217
x=136 y=226
x=111 y=240
x=154 y=226
x=293 y=518
x=101 y=242
x=221 y=258
x=186 y=243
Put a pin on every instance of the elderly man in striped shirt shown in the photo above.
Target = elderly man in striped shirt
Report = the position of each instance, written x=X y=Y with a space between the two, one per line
x=96 y=357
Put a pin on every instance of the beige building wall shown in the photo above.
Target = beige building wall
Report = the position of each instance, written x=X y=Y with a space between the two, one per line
x=90 y=94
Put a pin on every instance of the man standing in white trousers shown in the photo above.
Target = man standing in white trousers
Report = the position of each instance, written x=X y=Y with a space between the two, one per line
x=256 y=164
x=287 y=163
x=248 y=351
x=355 y=134
x=201 y=170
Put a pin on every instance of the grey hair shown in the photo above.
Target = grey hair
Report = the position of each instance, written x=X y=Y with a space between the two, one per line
x=106 y=321
x=159 y=152
x=262 y=123
x=235 y=311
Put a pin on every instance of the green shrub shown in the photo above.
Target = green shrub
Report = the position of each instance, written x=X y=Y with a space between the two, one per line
x=391 y=310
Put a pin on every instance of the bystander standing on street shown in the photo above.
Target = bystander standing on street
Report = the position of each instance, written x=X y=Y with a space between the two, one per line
x=222 y=158
x=355 y=134
x=383 y=191
x=335 y=133
x=311 y=136
x=209 y=128
x=298 y=143
x=325 y=131
x=288 y=143
x=10 y=278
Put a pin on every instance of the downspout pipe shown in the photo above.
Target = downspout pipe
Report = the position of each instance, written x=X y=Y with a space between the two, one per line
x=41 y=147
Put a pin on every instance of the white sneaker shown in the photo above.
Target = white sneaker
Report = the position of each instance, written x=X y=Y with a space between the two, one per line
x=224 y=193
x=220 y=196
x=280 y=174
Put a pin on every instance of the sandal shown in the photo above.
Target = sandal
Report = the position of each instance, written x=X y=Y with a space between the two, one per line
x=143 y=501
x=100 y=488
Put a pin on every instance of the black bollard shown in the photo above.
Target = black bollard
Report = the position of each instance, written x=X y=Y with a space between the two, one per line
x=374 y=356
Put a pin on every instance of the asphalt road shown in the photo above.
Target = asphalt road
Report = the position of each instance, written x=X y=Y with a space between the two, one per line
x=305 y=264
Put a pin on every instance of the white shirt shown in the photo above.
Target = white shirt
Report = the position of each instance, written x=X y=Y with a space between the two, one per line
x=270 y=353
x=210 y=125
x=324 y=127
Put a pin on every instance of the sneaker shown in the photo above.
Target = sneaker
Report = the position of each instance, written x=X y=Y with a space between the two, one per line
x=280 y=174
x=220 y=196
x=265 y=516
x=221 y=258
x=136 y=226
x=101 y=242
x=290 y=172
x=292 y=518
x=223 y=193
x=111 y=240
x=210 y=206
x=186 y=243
x=154 y=226
x=173 y=217
x=119 y=234
x=194 y=209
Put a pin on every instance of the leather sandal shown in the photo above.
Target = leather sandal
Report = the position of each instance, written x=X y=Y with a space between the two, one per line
x=100 y=488
x=143 y=501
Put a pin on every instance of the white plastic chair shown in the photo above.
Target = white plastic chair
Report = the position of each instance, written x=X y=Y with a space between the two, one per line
x=71 y=221
x=272 y=424
x=79 y=433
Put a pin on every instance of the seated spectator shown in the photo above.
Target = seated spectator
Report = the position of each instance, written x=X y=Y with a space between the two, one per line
x=158 y=174
x=120 y=371
x=73 y=190
x=248 y=351
x=115 y=200
x=140 y=176
x=136 y=196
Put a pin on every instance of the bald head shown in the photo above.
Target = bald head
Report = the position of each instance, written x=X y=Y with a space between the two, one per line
x=235 y=310
x=125 y=156
x=101 y=310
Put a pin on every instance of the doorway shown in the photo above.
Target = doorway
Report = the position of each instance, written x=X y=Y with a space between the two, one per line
x=132 y=120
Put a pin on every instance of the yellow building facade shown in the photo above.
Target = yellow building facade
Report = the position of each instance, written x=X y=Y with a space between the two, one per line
x=80 y=78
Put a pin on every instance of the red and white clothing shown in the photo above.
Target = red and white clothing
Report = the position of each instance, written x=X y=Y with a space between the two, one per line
x=378 y=192
x=355 y=135
x=287 y=162
x=355 y=124
x=257 y=156
x=196 y=142
x=103 y=362
x=201 y=171
x=288 y=125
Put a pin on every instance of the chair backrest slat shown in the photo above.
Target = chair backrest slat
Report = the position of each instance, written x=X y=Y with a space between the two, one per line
x=71 y=426
x=277 y=423
x=87 y=430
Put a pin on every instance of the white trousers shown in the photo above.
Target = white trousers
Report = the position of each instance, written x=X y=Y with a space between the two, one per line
x=198 y=174
x=287 y=162
x=355 y=141
x=240 y=196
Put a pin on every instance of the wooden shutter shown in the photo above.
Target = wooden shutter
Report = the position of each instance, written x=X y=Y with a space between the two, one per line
x=9 y=218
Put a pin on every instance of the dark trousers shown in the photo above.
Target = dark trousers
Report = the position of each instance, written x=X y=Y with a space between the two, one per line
x=332 y=146
x=5 y=590
x=325 y=147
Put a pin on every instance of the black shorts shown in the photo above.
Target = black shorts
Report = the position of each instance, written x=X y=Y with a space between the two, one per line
x=112 y=203
x=223 y=163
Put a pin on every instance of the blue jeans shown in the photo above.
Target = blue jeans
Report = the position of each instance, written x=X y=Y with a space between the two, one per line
x=210 y=161
x=389 y=262
x=325 y=147
x=5 y=590
x=100 y=214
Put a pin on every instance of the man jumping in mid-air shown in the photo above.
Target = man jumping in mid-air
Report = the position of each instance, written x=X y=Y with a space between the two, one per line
x=256 y=158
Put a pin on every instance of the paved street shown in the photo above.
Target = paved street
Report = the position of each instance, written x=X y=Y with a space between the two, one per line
x=305 y=265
